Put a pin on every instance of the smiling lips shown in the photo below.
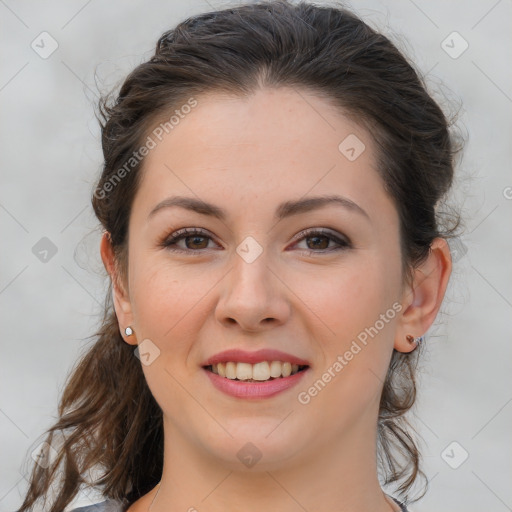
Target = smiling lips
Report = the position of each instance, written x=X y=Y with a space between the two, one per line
x=261 y=365
x=261 y=371
x=242 y=373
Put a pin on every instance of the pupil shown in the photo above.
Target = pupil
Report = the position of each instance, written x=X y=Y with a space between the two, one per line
x=195 y=241
x=317 y=245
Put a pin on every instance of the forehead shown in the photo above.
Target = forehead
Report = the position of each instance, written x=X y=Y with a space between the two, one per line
x=275 y=144
x=263 y=123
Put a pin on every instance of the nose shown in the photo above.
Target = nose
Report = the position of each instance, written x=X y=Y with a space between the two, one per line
x=252 y=296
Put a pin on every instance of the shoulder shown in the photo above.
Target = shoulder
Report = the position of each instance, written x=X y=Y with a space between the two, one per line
x=104 y=506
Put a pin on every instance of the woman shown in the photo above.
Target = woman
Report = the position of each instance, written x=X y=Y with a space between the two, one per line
x=270 y=203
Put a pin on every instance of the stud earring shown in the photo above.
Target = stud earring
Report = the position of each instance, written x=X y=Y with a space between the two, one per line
x=417 y=341
x=128 y=331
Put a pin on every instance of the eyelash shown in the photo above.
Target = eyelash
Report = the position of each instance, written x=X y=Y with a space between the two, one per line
x=184 y=233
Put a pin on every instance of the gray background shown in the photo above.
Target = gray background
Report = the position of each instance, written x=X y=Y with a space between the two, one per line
x=50 y=157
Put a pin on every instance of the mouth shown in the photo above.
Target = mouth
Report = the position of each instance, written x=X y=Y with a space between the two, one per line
x=262 y=371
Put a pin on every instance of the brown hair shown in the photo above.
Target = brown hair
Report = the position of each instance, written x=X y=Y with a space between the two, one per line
x=108 y=418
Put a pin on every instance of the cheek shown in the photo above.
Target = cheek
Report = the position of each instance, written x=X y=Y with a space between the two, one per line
x=166 y=298
x=355 y=335
x=168 y=304
x=344 y=299
x=163 y=299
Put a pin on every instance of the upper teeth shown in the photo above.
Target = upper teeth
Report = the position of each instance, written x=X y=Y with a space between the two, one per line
x=258 y=371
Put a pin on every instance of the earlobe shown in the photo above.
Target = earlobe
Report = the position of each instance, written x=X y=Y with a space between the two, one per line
x=422 y=299
x=122 y=305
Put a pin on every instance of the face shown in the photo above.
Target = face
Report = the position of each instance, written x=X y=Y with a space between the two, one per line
x=269 y=265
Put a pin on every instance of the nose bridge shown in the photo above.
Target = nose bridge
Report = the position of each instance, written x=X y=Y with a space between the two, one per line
x=251 y=296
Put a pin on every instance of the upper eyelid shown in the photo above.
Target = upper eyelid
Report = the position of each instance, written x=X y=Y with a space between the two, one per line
x=321 y=231
x=182 y=233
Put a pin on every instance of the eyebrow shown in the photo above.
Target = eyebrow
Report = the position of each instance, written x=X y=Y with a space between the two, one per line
x=286 y=209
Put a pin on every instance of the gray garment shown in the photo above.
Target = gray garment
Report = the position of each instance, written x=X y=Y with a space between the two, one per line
x=116 y=506
x=104 y=506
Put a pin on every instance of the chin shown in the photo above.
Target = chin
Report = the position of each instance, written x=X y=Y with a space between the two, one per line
x=256 y=444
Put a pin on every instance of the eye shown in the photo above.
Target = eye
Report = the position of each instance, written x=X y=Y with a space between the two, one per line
x=193 y=239
x=319 y=240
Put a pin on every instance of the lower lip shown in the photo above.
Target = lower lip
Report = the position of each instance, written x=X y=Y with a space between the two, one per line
x=241 y=389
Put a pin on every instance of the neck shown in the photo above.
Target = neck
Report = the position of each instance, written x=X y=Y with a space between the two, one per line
x=340 y=477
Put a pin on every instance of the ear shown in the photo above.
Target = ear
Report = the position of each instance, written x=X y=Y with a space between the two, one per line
x=422 y=298
x=120 y=296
